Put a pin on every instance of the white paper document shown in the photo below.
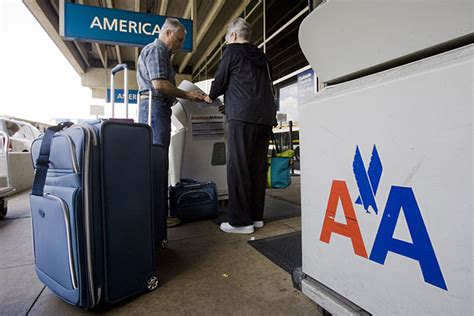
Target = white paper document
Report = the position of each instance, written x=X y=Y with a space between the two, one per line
x=202 y=105
x=189 y=86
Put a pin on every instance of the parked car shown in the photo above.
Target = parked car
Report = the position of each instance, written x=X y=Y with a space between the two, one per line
x=21 y=134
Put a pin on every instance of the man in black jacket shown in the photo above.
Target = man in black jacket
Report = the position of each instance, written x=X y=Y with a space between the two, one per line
x=243 y=76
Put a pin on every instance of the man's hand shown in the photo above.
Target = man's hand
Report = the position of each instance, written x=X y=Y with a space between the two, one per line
x=195 y=96
x=167 y=88
x=208 y=99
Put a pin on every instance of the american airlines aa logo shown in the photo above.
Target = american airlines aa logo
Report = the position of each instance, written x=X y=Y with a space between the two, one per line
x=367 y=182
x=399 y=199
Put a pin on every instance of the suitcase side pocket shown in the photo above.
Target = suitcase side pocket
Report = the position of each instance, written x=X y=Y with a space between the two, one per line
x=194 y=197
x=54 y=257
x=196 y=205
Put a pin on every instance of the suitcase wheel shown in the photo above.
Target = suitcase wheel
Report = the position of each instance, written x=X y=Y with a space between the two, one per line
x=164 y=243
x=152 y=283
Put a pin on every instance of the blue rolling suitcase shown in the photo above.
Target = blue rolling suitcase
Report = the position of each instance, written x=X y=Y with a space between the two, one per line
x=92 y=211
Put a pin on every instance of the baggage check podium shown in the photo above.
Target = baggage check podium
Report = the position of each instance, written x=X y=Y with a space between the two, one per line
x=198 y=142
x=386 y=158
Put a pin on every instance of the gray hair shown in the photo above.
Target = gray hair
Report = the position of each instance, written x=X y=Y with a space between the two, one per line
x=173 y=25
x=241 y=27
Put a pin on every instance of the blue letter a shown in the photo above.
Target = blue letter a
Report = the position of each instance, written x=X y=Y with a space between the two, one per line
x=421 y=249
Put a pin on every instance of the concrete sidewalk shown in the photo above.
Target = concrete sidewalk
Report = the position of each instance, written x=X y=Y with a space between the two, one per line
x=202 y=272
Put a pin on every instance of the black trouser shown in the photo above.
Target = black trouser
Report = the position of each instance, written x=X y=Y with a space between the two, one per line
x=247 y=146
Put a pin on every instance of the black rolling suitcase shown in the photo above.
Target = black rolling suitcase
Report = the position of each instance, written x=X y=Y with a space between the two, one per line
x=92 y=211
x=160 y=191
x=160 y=194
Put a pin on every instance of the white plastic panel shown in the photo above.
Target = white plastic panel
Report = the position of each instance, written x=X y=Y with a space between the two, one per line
x=341 y=37
x=419 y=118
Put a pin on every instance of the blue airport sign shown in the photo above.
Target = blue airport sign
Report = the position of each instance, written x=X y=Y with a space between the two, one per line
x=111 y=26
x=120 y=96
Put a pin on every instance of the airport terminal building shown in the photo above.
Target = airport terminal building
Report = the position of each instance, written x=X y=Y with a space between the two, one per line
x=374 y=125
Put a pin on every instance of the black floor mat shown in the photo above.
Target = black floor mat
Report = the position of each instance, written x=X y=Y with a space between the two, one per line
x=283 y=250
x=275 y=209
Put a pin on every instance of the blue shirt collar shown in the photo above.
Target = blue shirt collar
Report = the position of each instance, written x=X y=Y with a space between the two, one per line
x=158 y=42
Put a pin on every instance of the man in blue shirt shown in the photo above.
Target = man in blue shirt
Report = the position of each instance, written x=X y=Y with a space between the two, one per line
x=155 y=72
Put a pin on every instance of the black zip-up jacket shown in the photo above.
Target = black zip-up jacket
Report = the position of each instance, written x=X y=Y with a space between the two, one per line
x=243 y=78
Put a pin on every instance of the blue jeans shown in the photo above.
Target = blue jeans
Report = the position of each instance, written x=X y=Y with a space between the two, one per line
x=160 y=120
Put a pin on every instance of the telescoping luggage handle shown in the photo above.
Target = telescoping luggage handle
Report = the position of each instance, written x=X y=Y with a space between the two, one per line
x=114 y=71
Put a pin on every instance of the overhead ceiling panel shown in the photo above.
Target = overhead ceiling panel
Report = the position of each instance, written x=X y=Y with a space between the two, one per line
x=283 y=51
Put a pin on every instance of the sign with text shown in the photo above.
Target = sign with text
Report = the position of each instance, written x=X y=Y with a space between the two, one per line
x=111 y=26
x=120 y=95
x=379 y=183
x=97 y=110
x=207 y=127
x=306 y=85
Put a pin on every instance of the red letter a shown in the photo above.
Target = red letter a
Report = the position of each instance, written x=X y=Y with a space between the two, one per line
x=338 y=192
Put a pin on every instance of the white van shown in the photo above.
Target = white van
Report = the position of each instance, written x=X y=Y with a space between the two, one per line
x=21 y=134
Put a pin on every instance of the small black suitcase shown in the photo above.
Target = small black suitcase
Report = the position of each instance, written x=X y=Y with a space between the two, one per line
x=192 y=200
